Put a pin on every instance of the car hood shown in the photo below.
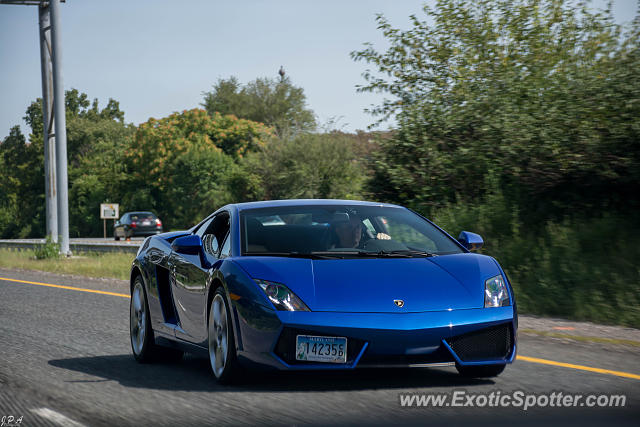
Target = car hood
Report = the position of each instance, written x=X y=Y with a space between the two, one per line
x=372 y=284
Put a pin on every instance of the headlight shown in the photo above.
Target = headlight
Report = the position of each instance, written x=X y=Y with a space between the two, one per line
x=495 y=292
x=281 y=296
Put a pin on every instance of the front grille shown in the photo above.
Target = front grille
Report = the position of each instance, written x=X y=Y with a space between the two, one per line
x=485 y=344
x=286 y=346
x=441 y=355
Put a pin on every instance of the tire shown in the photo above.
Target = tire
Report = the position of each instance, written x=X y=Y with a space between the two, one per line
x=141 y=336
x=481 y=371
x=221 y=342
x=115 y=235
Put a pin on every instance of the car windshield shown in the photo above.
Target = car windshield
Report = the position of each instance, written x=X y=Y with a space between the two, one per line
x=141 y=216
x=341 y=231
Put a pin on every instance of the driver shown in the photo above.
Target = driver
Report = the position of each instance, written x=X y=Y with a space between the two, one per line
x=349 y=232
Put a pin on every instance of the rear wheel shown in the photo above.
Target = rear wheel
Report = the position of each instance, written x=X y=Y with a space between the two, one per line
x=142 y=340
x=222 y=352
x=115 y=235
x=482 y=371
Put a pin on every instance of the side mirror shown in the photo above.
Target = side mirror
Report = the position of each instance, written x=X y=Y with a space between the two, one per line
x=190 y=245
x=471 y=241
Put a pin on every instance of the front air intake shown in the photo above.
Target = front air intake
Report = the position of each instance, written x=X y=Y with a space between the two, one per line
x=486 y=344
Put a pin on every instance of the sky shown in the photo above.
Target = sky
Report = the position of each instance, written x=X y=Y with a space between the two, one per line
x=157 y=56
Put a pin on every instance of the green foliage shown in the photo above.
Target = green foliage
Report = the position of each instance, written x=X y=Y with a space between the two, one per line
x=48 y=250
x=198 y=186
x=96 y=141
x=277 y=103
x=97 y=172
x=22 y=186
x=177 y=164
x=542 y=93
x=308 y=166
x=8 y=201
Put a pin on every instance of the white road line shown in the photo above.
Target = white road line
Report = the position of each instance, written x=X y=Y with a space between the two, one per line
x=56 y=417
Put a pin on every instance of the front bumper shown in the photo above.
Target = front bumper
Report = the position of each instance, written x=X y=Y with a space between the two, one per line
x=464 y=337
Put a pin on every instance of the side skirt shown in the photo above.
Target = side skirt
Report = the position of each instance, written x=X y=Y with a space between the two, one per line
x=187 y=347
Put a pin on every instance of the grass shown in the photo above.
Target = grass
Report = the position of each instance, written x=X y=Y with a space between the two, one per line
x=108 y=265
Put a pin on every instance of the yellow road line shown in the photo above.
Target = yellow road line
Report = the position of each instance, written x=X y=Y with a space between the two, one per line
x=71 y=288
x=579 y=367
x=523 y=358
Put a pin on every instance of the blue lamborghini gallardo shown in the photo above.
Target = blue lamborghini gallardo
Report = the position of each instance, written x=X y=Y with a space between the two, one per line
x=321 y=284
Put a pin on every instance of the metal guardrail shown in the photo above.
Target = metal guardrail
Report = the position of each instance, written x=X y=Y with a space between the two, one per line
x=76 y=247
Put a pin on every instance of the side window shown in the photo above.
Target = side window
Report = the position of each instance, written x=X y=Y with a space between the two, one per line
x=214 y=233
x=226 y=248
x=124 y=218
x=200 y=231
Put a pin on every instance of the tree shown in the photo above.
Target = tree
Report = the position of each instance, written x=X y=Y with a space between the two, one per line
x=96 y=140
x=539 y=93
x=308 y=166
x=177 y=164
x=21 y=187
x=276 y=103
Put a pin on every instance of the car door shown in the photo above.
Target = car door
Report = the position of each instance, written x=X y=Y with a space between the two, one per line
x=191 y=273
x=118 y=230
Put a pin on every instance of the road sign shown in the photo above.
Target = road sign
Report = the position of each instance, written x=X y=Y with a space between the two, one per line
x=109 y=211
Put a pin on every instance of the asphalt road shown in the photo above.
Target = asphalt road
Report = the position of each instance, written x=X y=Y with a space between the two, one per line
x=66 y=360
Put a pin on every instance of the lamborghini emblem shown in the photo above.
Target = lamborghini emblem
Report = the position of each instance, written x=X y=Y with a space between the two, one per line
x=399 y=302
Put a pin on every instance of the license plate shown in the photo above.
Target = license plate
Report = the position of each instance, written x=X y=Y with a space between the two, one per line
x=321 y=349
x=146 y=222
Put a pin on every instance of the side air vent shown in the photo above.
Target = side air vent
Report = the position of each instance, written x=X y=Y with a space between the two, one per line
x=164 y=294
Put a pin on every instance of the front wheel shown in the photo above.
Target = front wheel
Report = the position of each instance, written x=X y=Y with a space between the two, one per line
x=142 y=340
x=222 y=352
x=139 y=324
x=481 y=371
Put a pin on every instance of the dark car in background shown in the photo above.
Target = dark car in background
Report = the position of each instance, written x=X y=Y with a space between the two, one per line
x=137 y=224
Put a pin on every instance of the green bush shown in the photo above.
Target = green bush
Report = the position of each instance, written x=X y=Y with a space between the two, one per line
x=313 y=166
x=47 y=250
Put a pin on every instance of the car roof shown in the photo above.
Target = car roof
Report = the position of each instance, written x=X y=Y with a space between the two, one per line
x=308 y=202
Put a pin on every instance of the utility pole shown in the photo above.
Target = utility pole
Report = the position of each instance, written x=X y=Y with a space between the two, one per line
x=54 y=122
x=61 y=129
x=47 y=122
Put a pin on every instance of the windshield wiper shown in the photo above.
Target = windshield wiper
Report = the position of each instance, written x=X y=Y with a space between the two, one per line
x=405 y=253
x=310 y=255
x=413 y=252
x=344 y=254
